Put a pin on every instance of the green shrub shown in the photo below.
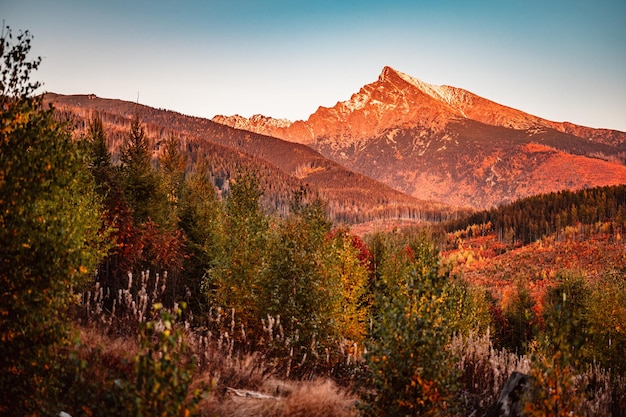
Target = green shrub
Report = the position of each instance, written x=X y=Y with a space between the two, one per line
x=163 y=373
x=233 y=281
x=566 y=329
x=411 y=371
x=606 y=318
x=558 y=350
x=471 y=312
x=520 y=319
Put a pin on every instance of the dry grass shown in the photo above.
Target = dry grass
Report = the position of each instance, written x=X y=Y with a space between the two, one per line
x=225 y=375
x=108 y=341
x=108 y=344
x=484 y=370
x=295 y=399
x=122 y=311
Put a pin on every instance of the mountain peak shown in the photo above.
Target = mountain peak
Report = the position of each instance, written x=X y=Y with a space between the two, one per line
x=448 y=96
x=387 y=73
x=398 y=100
x=440 y=93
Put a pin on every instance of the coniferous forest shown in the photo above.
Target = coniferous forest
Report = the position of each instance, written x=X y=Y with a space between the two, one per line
x=139 y=286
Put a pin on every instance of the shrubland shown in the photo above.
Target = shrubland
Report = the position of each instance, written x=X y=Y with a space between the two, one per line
x=134 y=288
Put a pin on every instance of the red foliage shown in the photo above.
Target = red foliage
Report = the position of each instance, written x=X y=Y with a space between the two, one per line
x=590 y=249
x=364 y=254
x=409 y=252
x=128 y=242
x=162 y=250
x=502 y=328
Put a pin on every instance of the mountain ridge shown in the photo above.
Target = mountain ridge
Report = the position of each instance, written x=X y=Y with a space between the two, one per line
x=283 y=166
x=460 y=102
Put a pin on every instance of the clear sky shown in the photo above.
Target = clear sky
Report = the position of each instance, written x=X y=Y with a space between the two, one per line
x=564 y=60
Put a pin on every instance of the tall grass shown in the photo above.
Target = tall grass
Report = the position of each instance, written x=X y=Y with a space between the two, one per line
x=110 y=321
x=485 y=370
x=227 y=362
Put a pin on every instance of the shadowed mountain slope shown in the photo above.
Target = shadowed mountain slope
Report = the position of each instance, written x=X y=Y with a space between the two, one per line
x=283 y=166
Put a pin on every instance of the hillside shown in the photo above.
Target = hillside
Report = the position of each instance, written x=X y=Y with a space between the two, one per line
x=484 y=260
x=446 y=144
x=284 y=166
x=534 y=239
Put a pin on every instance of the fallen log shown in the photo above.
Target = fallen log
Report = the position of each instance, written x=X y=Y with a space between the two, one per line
x=250 y=394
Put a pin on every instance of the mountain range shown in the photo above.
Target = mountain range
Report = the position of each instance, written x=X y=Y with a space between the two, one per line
x=397 y=149
x=447 y=144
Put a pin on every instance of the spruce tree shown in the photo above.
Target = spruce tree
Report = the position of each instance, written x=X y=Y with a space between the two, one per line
x=138 y=178
x=100 y=163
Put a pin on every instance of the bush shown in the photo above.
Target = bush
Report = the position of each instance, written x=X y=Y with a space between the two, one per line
x=163 y=373
x=520 y=319
x=150 y=376
x=411 y=371
x=606 y=318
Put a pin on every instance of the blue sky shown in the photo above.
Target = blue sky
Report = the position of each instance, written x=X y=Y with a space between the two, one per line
x=561 y=60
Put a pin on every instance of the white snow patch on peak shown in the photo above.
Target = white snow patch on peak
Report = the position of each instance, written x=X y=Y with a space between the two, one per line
x=438 y=92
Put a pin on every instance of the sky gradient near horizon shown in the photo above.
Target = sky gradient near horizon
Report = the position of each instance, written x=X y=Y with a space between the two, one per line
x=563 y=60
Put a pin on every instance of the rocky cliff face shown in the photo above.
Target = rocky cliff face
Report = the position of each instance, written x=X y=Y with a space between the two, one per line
x=258 y=123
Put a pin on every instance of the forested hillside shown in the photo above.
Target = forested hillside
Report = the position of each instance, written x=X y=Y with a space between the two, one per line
x=282 y=166
x=532 y=218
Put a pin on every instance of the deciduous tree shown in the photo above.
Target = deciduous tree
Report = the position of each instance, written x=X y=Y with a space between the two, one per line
x=410 y=371
x=234 y=281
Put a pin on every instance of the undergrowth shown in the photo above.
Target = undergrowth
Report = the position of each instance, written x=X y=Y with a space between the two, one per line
x=205 y=371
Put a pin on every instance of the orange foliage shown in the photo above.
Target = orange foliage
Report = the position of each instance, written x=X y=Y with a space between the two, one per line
x=537 y=263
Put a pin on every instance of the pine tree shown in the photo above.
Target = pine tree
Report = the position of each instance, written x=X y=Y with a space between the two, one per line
x=117 y=216
x=138 y=177
x=100 y=163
